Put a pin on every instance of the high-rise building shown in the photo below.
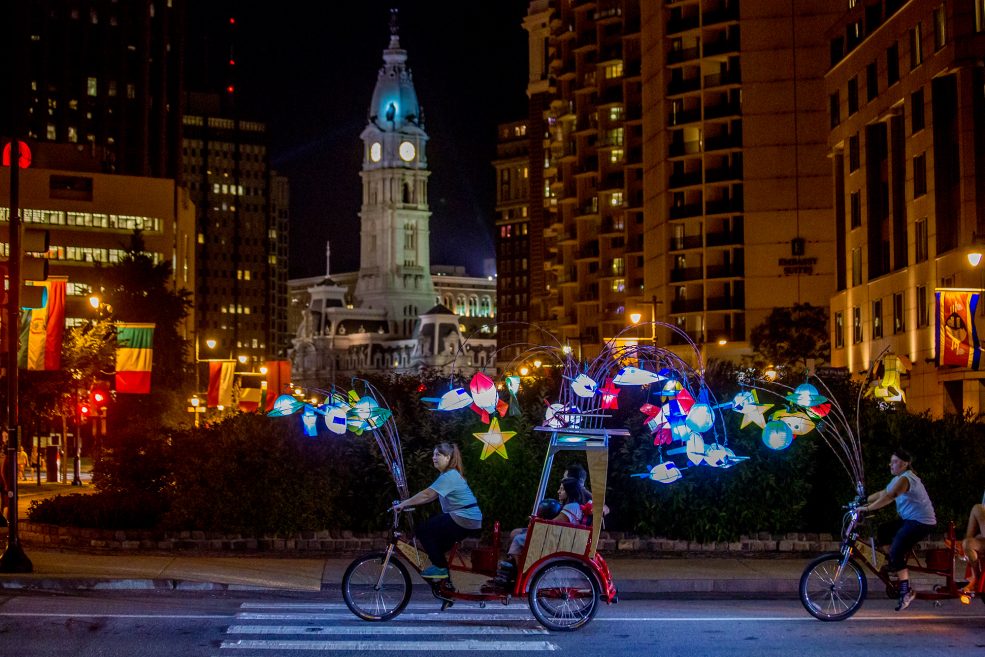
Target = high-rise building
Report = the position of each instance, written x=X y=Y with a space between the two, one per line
x=242 y=234
x=738 y=205
x=907 y=153
x=101 y=78
x=686 y=176
x=513 y=268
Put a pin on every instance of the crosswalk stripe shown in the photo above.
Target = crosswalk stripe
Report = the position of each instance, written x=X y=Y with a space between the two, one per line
x=368 y=628
x=435 y=615
x=333 y=606
x=394 y=646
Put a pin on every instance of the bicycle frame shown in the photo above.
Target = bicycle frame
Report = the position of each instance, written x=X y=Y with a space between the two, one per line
x=852 y=545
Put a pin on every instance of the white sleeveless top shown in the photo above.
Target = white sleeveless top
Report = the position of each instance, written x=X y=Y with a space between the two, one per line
x=914 y=504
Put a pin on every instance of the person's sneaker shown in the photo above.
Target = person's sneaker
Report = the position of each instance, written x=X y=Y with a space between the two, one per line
x=433 y=572
x=905 y=599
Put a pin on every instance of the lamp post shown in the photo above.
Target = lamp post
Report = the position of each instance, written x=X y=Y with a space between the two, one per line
x=635 y=317
x=210 y=343
x=195 y=408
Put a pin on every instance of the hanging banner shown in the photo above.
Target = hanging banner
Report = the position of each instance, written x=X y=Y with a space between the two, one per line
x=134 y=357
x=956 y=337
x=42 y=329
x=221 y=383
x=278 y=381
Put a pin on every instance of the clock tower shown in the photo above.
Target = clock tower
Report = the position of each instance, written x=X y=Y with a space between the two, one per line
x=395 y=255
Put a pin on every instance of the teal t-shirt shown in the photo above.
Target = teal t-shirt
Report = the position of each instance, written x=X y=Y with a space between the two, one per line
x=454 y=494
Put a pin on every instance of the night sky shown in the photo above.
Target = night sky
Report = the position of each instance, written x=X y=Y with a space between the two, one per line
x=309 y=71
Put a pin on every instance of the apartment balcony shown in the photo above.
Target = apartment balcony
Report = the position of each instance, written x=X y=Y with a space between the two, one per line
x=725 y=271
x=725 y=142
x=686 y=211
x=722 y=79
x=686 y=274
x=684 y=24
x=726 y=206
x=683 y=118
x=611 y=227
x=589 y=296
x=588 y=252
x=720 y=174
x=725 y=13
x=726 y=303
x=679 y=306
x=723 y=110
x=685 y=243
x=722 y=46
x=683 y=55
x=680 y=148
x=678 y=180
x=613 y=181
x=725 y=238
x=678 y=87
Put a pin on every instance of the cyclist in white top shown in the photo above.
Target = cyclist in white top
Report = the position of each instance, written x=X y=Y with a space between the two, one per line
x=916 y=518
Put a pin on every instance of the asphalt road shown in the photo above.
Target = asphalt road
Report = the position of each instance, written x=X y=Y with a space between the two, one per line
x=165 y=624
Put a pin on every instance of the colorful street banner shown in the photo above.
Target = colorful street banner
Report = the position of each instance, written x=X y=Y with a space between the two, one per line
x=278 y=381
x=956 y=336
x=250 y=393
x=134 y=357
x=42 y=329
x=221 y=383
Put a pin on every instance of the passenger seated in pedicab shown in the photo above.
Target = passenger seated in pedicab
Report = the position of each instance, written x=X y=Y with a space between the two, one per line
x=460 y=516
x=567 y=508
x=577 y=472
x=974 y=543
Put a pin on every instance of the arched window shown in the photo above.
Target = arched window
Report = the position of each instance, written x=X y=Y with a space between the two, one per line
x=473 y=306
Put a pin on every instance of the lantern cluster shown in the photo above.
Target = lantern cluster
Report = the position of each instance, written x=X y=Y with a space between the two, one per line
x=339 y=413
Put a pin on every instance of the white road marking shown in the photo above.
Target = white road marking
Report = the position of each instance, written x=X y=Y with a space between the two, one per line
x=347 y=615
x=394 y=646
x=29 y=614
x=375 y=628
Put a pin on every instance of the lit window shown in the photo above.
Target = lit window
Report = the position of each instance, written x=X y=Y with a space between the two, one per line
x=616 y=155
x=615 y=199
x=613 y=71
x=91 y=86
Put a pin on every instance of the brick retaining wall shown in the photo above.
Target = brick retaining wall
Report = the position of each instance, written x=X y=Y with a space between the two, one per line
x=346 y=542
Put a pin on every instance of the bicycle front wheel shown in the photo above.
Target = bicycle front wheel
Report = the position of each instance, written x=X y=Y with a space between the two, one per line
x=374 y=592
x=828 y=595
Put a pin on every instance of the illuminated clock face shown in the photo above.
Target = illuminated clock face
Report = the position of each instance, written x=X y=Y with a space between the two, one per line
x=407 y=151
x=375 y=151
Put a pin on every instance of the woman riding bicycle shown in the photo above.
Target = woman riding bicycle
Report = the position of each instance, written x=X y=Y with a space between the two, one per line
x=460 y=516
x=916 y=519
x=974 y=543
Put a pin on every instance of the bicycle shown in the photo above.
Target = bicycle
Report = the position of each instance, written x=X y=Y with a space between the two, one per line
x=834 y=585
x=559 y=572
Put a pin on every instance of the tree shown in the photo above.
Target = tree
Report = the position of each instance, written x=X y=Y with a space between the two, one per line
x=137 y=289
x=791 y=335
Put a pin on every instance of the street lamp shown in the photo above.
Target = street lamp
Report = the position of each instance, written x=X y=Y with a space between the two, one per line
x=210 y=343
x=636 y=316
x=195 y=408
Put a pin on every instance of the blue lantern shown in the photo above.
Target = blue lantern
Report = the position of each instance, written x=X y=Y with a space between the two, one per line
x=777 y=435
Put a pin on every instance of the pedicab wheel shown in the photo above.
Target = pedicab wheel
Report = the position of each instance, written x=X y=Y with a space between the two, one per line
x=564 y=596
x=828 y=596
x=375 y=593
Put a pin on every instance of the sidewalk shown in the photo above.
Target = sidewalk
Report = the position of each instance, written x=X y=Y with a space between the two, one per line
x=635 y=578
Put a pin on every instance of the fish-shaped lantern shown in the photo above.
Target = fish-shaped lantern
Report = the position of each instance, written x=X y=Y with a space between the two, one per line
x=635 y=376
x=584 y=386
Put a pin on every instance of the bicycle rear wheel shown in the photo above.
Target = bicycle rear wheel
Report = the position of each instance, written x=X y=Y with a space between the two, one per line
x=375 y=593
x=564 y=596
x=828 y=596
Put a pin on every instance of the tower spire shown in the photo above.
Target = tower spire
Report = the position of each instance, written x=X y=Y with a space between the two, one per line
x=394 y=29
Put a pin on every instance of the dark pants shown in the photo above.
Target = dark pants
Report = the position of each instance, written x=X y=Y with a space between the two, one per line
x=438 y=534
x=902 y=535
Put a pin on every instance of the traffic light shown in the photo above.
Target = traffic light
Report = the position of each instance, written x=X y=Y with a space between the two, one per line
x=85 y=409
x=34 y=268
x=99 y=395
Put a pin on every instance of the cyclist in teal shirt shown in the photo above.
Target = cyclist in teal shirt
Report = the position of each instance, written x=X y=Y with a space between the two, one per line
x=460 y=516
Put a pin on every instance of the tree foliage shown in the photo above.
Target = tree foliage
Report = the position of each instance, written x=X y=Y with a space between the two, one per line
x=791 y=335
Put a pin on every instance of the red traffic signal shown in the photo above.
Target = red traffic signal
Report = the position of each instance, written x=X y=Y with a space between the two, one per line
x=99 y=394
x=84 y=410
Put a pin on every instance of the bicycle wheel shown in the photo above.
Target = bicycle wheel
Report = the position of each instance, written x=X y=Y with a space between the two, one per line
x=564 y=596
x=827 y=598
x=375 y=593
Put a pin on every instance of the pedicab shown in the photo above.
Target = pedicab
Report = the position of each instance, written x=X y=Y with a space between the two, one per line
x=560 y=573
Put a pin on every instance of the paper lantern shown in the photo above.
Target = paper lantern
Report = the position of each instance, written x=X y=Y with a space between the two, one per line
x=494 y=440
x=799 y=423
x=806 y=395
x=584 y=386
x=634 y=376
x=310 y=421
x=695 y=449
x=285 y=405
x=335 y=418
x=700 y=418
x=665 y=473
x=777 y=435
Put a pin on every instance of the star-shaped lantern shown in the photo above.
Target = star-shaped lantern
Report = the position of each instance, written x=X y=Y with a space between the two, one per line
x=494 y=440
x=610 y=394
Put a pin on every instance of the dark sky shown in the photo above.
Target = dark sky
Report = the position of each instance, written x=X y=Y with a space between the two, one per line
x=309 y=69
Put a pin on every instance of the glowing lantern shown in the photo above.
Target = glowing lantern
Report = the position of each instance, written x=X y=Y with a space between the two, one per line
x=310 y=421
x=777 y=435
x=700 y=418
x=285 y=405
x=335 y=418
x=584 y=386
x=806 y=395
x=665 y=473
